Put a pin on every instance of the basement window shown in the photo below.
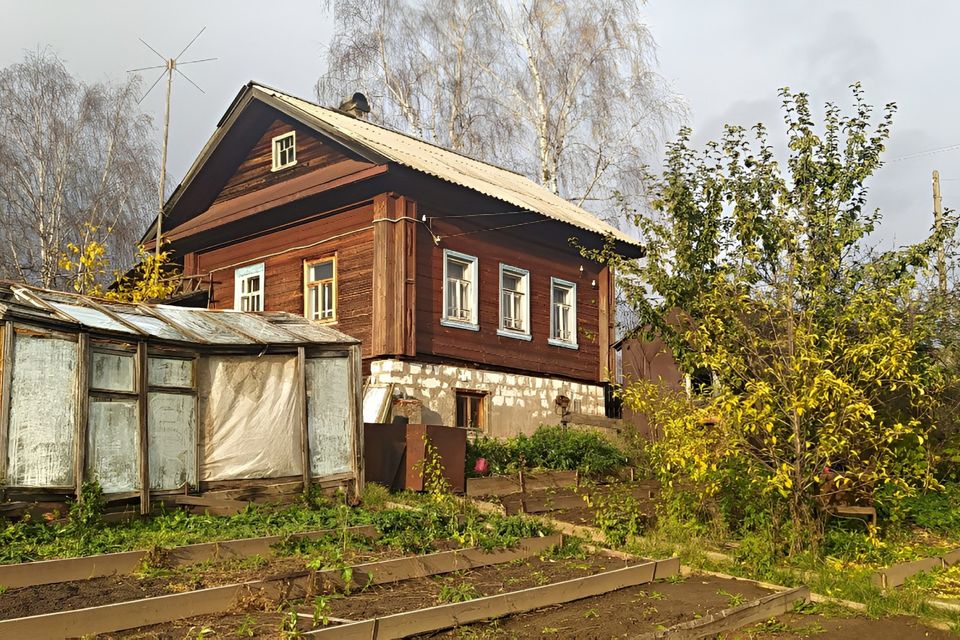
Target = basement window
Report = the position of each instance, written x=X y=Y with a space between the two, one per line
x=563 y=313
x=320 y=289
x=248 y=288
x=284 y=151
x=514 y=302
x=459 y=291
x=470 y=410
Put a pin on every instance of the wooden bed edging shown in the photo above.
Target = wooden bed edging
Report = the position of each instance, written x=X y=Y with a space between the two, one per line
x=30 y=574
x=506 y=485
x=733 y=618
x=409 y=623
x=896 y=575
x=121 y=616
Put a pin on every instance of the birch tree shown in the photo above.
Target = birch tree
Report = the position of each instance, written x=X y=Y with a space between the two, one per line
x=565 y=93
x=77 y=165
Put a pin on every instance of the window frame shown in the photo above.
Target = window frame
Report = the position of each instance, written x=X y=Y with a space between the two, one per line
x=524 y=276
x=275 y=151
x=571 y=287
x=468 y=395
x=473 y=264
x=242 y=273
x=308 y=283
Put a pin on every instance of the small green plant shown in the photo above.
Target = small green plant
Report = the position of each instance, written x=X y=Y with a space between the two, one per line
x=591 y=614
x=3 y=589
x=450 y=593
x=734 y=599
x=656 y=595
x=431 y=469
x=321 y=611
x=619 y=515
x=245 y=630
x=676 y=578
x=289 y=626
x=199 y=633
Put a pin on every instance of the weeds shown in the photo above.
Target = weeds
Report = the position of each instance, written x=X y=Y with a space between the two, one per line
x=246 y=628
x=733 y=599
x=560 y=448
x=321 y=611
x=462 y=592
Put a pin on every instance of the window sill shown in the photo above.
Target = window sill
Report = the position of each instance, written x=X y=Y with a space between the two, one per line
x=281 y=168
x=505 y=333
x=560 y=343
x=459 y=324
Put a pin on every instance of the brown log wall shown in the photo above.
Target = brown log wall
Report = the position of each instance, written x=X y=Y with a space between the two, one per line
x=283 y=272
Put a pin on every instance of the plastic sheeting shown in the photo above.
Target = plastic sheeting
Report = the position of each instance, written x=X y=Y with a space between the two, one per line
x=113 y=435
x=43 y=405
x=328 y=416
x=249 y=417
x=172 y=441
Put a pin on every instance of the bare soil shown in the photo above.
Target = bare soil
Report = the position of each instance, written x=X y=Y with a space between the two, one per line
x=262 y=617
x=798 y=625
x=619 y=614
x=78 y=594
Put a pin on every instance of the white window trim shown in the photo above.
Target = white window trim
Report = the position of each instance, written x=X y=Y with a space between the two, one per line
x=572 y=286
x=244 y=272
x=276 y=156
x=524 y=275
x=473 y=324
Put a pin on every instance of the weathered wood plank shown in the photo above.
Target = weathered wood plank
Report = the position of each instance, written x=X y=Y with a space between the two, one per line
x=122 y=615
x=403 y=625
x=733 y=618
x=62 y=570
x=157 y=610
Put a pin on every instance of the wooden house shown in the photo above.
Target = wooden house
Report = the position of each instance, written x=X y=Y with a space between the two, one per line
x=461 y=279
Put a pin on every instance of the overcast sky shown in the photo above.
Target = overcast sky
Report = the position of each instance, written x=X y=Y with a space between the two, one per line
x=728 y=58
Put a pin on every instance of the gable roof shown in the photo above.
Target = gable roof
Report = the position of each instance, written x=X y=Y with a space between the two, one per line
x=383 y=145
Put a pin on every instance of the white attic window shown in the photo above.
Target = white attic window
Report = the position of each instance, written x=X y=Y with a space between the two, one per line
x=284 y=151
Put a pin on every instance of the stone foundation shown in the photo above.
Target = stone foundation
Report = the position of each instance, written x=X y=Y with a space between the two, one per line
x=513 y=403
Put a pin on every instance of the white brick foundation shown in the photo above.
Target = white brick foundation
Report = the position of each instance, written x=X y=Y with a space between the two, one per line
x=514 y=403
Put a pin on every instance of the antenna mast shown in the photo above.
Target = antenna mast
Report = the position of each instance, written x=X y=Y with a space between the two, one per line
x=169 y=66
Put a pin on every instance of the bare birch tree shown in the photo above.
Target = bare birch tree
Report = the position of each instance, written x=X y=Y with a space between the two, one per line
x=77 y=164
x=566 y=93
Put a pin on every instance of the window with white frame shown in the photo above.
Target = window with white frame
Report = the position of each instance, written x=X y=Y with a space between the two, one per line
x=563 y=313
x=248 y=288
x=514 y=302
x=284 y=151
x=320 y=289
x=459 y=290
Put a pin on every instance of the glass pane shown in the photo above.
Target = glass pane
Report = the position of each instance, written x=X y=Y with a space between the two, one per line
x=90 y=317
x=113 y=444
x=112 y=372
x=322 y=271
x=170 y=372
x=511 y=282
x=560 y=295
x=456 y=270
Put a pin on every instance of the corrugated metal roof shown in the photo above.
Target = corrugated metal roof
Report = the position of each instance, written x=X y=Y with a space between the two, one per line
x=164 y=322
x=447 y=165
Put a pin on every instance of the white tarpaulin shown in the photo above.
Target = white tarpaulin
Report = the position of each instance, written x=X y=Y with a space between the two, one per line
x=249 y=417
x=328 y=416
x=43 y=409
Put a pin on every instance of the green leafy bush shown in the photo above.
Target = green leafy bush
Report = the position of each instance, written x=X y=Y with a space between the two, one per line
x=558 y=448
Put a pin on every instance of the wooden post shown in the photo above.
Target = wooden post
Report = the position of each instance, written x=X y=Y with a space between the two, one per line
x=356 y=413
x=938 y=226
x=304 y=423
x=83 y=411
x=141 y=373
x=5 y=376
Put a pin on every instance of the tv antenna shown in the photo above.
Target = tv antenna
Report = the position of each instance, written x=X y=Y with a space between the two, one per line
x=169 y=66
